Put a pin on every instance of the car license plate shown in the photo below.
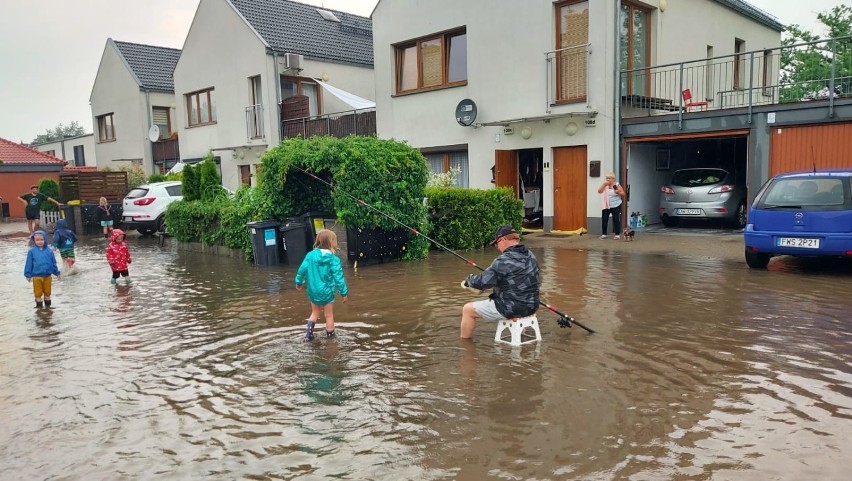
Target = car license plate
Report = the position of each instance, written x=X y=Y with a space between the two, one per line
x=128 y=219
x=688 y=211
x=798 y=242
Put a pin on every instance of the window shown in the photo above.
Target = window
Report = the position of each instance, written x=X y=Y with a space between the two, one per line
x=739 y=63
x=291 y=87
x=106 y=129
x=200 y=108
x=50 y=152
x=79 y=155
x=572 y=36
x=442 y=162
x=160 y=116
x=767 y=73
x=635 y=48
x=432 y=62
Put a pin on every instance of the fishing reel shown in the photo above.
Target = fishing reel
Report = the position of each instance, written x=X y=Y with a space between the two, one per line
x=564 y=321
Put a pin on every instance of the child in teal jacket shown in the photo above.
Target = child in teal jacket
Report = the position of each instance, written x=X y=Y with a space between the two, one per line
x=322 y=272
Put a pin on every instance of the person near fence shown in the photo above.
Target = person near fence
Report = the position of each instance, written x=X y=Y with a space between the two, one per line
x=105 y=216
x=39 y=267
x=64 y=240
x=33 y=201
x=514 y=278
x=322 y=271
x=118 y=256
x=612 y=196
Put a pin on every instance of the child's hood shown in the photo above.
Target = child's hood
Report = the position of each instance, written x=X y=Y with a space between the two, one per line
x=62 y=224
x=325 y=257
x=115 y=234
x=41 y=232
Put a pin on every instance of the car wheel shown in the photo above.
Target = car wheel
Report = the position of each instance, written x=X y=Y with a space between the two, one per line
x=756 y=260
x=741 y=217
x=669 y=221
x=161 y=224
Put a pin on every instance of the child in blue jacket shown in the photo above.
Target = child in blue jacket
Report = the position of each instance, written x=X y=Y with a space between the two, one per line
x=64 y=240
x=322 y=271
x=41 y=264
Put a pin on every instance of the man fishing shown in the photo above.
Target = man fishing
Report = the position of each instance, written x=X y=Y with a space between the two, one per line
x=514 y=277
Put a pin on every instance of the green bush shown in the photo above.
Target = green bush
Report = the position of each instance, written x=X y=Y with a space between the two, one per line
x=467 y=218
x=50 y=188
x=218 y=222
x=388 y=175
x=135 y=176
x=191 y=189
x=210 y=184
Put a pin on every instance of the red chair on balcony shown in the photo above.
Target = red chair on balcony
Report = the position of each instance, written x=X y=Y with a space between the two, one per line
x=688 y=103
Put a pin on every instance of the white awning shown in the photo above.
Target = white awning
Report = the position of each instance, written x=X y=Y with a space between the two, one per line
x=352 y=100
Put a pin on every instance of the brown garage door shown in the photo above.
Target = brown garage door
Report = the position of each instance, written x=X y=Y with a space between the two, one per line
x=825 y=146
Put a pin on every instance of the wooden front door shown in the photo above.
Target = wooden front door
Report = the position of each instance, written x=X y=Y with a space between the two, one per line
x=569 y=188
x=506 y=169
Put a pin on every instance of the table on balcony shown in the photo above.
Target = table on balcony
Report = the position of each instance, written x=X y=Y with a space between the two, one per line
x=651 y=103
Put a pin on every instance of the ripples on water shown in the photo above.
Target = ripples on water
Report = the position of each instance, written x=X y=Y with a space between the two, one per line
x=700 y=369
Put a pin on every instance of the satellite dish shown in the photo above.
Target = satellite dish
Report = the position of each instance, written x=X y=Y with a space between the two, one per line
x=154 y=133
x=466 y=112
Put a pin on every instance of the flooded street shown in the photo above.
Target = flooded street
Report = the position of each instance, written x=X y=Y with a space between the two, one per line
x=700 y=369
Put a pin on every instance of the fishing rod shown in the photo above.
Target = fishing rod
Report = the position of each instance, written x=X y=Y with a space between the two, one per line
x=564 y=319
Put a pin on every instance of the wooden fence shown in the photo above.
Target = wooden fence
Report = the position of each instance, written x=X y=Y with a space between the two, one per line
x=89 y=187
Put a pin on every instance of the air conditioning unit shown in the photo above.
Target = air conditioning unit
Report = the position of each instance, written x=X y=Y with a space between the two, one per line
x=293 y=61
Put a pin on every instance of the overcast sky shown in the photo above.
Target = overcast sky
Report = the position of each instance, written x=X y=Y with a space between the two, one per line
x=50 y=49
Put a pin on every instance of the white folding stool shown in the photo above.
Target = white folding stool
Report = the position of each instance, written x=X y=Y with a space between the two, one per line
x=516 y=329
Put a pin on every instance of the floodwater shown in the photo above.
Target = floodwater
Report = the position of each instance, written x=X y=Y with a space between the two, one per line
x=699 y=370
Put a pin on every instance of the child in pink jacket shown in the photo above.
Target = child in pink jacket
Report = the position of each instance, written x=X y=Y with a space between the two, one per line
x=118 y=256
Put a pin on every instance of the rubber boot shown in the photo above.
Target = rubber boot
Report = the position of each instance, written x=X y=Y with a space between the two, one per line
x=39 y=304
x=47 y=303
x=309 y=335
x=329 y=333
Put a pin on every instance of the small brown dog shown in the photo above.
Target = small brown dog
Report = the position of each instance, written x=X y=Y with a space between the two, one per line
x=629 y=234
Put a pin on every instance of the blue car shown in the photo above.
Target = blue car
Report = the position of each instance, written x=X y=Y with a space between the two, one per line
x=800 y=214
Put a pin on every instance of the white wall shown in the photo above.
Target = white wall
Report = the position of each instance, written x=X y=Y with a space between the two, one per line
x=222 y=52
x=87 y=141
x=116 y=91
x=507 y=75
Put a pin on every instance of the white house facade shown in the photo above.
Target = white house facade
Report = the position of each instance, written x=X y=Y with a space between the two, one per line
x=542 y=78
x=79 y=150
x=244 y=61
x=134 y=91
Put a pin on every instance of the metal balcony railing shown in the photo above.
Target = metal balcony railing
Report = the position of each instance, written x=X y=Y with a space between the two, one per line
x=254 y=122
x=340 y=124
x=567 y=75
x=744 y=80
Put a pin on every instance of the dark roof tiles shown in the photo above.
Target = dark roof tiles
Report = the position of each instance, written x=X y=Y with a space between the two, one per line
x=153 y=66
x=292 y=27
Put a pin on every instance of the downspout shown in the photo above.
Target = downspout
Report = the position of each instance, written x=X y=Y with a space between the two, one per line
x=148 y=116
x=277 y=97
x=616 y=117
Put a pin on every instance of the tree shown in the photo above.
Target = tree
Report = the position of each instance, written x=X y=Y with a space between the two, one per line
x=806 y=69
x=60 y=132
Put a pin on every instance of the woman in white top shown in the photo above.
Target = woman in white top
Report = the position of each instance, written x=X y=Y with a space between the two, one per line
x=612 y=195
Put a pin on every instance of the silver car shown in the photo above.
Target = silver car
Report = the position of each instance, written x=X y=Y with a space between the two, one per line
x=704 y=193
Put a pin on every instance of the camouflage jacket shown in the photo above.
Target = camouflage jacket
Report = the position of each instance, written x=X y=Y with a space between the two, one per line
x=514 y=277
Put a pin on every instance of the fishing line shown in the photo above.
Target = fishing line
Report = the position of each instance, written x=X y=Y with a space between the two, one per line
x=564 y=319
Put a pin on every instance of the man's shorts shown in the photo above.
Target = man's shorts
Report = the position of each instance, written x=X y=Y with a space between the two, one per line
x=487 y=310
x=36 y=216
x=106 y=223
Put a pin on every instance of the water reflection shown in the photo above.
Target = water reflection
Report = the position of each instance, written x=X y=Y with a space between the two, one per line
x=699 y=369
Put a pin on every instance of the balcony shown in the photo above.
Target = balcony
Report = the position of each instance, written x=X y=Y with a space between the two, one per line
x=742 y=80
x=340 y=124
x=165 y=150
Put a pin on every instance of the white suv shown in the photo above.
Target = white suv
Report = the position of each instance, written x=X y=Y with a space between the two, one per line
x=145 y=205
